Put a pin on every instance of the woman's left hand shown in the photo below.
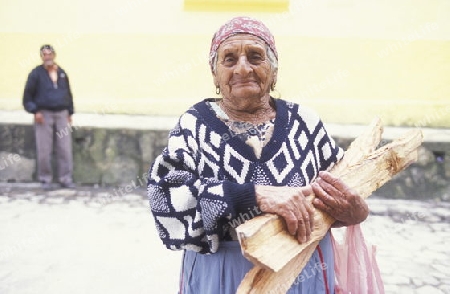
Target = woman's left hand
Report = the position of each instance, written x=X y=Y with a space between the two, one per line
x=337 y=199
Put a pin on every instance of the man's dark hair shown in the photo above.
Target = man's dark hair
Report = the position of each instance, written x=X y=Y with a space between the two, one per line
x=47 y=46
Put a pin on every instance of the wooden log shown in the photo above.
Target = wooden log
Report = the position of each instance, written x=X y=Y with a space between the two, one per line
x=265 y=241
x=260 y=280
x=365 y=177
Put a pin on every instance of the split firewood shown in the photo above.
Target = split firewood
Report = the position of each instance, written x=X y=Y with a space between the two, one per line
x=260 y=280
x=278 y=257
x=267 y=232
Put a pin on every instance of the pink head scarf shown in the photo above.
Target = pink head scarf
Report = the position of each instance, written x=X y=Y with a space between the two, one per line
x=241 y=25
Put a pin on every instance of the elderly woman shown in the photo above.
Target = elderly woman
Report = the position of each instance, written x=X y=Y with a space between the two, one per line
x=247 y=153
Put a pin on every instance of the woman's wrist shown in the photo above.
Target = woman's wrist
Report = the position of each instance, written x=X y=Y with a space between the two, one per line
x=361 y=212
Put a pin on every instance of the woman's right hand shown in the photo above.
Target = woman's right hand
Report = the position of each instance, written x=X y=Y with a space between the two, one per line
x=290 y=203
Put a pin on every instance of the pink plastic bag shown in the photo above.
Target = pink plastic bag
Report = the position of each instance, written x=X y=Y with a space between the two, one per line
x=355 y=266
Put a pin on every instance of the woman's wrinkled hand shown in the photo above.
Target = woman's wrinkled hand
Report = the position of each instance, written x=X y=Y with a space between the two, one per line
x=337 y=199
x=290 y=203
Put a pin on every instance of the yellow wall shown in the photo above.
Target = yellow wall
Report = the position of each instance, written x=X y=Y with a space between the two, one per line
x=348 y=59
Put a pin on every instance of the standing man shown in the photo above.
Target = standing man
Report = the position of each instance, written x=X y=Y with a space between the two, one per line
x=48 y=96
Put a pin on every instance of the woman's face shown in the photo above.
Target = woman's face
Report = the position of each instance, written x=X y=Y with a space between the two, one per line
x=243 y=68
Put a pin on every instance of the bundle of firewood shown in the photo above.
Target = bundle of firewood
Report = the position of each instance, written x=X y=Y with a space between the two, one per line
x=277 y=255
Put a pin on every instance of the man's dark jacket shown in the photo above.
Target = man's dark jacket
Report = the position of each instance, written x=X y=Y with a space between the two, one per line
x=41 y=94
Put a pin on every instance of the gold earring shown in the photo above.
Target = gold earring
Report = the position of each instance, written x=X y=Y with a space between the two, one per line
x=217 y=90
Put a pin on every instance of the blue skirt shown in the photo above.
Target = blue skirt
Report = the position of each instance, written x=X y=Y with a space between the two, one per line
x=223 y=271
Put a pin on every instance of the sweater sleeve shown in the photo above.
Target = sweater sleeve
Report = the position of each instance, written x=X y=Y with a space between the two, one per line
x=190 y=210
x=71 y=109
x=327 y=151
x=30 y=92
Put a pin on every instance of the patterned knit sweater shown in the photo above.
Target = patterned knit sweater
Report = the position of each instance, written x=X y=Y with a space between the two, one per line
x=205 y=177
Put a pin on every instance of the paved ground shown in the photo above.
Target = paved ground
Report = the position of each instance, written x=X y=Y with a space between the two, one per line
x=81 y=241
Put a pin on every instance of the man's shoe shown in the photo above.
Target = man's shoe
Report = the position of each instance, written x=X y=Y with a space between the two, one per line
x=68 y=185
x=46 y=186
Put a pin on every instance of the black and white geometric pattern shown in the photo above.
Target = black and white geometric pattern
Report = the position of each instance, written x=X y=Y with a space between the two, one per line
x=281 y=164
x=235 y=164
x=205 y=177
